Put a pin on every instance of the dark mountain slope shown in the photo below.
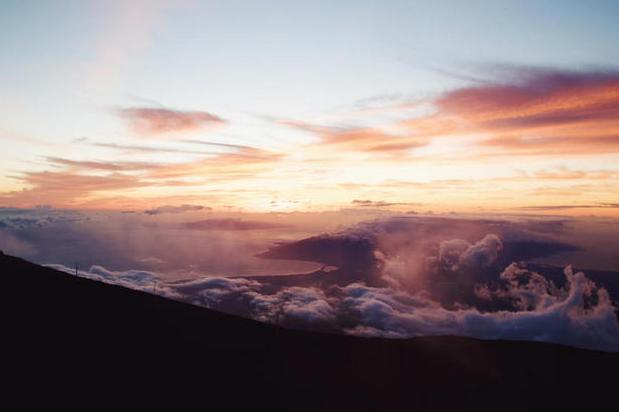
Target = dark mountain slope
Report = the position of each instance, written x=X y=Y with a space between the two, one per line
x=72 y=342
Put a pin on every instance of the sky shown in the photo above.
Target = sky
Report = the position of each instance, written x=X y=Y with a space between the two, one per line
x=393 y=168
x=472 y=107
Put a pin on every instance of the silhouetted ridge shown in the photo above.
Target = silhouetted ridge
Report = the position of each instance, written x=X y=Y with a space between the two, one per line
x=75 y=342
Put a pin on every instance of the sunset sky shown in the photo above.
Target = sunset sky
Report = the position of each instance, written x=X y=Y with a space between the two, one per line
x=477 y=106
x=387 y=169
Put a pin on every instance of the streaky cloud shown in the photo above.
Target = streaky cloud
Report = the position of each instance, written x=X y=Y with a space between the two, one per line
x=148 y=121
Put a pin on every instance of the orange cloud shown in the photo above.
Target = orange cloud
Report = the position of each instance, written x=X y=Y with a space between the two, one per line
x=97 y=165
x=470 y=148
x=541 y=111
x=66 y=188
x=539 y=98
x=242 y=163
x=536 y=112
x=361 y=139
x=95 y=183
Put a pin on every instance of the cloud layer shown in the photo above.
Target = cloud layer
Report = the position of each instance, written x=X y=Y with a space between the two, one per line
x=406 y=277
x=580 y=314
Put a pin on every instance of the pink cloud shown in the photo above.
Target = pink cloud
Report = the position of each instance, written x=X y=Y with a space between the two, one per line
x=146 y=121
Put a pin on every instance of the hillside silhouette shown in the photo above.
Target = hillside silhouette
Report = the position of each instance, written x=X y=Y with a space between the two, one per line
x=74 y=342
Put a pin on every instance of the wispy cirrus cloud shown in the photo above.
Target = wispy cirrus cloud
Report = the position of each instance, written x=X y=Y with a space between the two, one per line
x=131 y=33
x=536 y=111
x=361 y=139
x=67 y=188
x=600 y=205
x=219 y=145
x=380 y=203
x=241 y=163
x=98 y=165
x=132 y=148
x=79 y=183
x=525 y=111
x=176 y=209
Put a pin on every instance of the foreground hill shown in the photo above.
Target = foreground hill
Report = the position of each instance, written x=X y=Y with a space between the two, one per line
x=74 y=342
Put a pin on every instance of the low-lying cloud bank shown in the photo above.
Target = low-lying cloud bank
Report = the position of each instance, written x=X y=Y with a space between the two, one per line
x=395 y=276
x=177 y=240
x=578 y=313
